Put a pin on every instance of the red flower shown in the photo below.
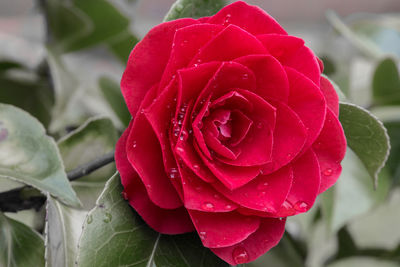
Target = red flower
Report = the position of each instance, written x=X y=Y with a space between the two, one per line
x=234 y=129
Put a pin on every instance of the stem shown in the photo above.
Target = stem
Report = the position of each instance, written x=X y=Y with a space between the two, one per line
x=14 y=200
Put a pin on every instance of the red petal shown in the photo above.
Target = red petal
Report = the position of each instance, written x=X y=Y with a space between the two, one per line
x=225 y=46
x=331 y=97
x=266 y=237
x=264 y=193
x=291 y=52
x=308 y=102
x=201 y=196
x=145 y=155
x=305 y=186
x=187 y=42
x=251 y=18
x=289 y=137
x=231 y=176
x=151 y=53
x=175 y=221
x=270 y=76
x=223 y=229
x=330 y=148
x=321 y=64
x=257 y=146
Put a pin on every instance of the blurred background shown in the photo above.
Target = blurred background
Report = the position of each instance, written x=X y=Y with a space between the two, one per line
x=83 y=46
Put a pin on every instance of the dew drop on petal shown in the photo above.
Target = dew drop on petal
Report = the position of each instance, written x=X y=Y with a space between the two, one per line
x=184 y=135
x=134 y=144
x=245 y=76
x=301 y=206
x=124 y=195
x=173 y=173
x=262 y=186
x=240 y=255
x=207 y=206
x=228 y=207
x=328 y=172
x=260 y=125
x=202 y=235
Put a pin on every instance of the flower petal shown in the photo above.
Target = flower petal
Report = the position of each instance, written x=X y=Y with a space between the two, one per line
x=266 y=237
x=330 y=148
x=251 y=18
x=331 y=97
x=265 y=193
x=176 y=221
x=151 y=53
x=213 y=231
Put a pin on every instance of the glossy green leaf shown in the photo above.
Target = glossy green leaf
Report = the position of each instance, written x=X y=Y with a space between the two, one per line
x=194 y=9
x=393 y=164
x=63 y=228
x=112 y=94
x=366 y=136
x=353 y=193
x=19 y=245
x=96 y=137
x=114 y=235
x=29 y=156
x=386 y=83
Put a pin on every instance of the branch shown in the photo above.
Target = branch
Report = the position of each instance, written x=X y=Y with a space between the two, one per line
x=13 y=200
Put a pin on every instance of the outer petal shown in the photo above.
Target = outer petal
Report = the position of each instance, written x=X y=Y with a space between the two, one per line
x=270 y=76
x=291 y=52
x=305 y=186
x=330 y=148
x=225 y=46
x=331 y=97
x=175 y=221
x=265 y=193
x=308 y=102
x=151 y=53
x=251 y=18
x=223 y=229
x=266 y=237
x=145 y=155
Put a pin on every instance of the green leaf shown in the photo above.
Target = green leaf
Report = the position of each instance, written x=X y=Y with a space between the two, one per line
x=113 y=96
x=27 y=90
x=386 y=83
x=96 y=137
x=393 y=164
x=29 y=156
x=194 y=9
x=63 y=228
x=122 y=44
x=353 y=193
x=366 y=136
x=359 y=261
x=114 y=235
x=19 y=245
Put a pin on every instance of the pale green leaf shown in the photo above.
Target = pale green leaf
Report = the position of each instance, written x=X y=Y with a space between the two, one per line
x=114 y=235
x=19 y=245
x=63 y=228
x=366 y=136
x=29 y=156
x=193 y=9
x=359 y=261
x=96 y=137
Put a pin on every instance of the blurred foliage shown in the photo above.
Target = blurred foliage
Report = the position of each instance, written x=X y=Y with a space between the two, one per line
x=351 y=225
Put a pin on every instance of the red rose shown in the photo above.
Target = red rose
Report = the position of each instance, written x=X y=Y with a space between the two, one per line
x=234 y=129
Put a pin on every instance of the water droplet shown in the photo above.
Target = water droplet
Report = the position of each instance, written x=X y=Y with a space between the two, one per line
x=281 y=218
x=216 y=196
x=202 y=235
x=301 y=206
x=207 y=206
x=245 y=76
x=124 y=195
x=134 y=144
x=228 y=207
x=227 y=19
x=89 y=219
x=184 y=135
x=199 y=60
x=260 y=125
x=289 y=155
x=328 y=172
x=196 y=65
x=287 y=205
x=262 y=186
x=173 y=173
x=108 y=217
x=200 y=124
x=240 y=255
x=180 y=150
x=196 y=167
